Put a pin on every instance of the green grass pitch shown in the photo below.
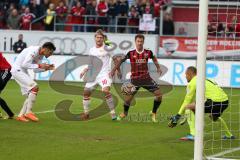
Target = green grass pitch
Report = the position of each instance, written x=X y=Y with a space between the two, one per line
x=99 y=139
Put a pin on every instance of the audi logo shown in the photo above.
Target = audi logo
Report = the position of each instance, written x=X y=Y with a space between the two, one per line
x=67 y=45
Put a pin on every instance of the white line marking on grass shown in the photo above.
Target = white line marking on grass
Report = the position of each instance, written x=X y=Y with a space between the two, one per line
x=51 y=111
x=212 y=157
x=48 y=111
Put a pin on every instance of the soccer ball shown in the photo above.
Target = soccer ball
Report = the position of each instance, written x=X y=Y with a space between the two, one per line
x=128 y=88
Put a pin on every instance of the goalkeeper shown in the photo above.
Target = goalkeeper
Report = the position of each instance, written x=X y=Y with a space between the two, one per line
x=216 y=102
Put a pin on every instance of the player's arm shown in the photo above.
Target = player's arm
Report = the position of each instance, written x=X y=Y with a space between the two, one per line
x=191 y=90
x=89 y=66
x=116 y=59
x=28 y=64
x=118 y=64
x=84 y=72
x=44 y=67
x=155 y=61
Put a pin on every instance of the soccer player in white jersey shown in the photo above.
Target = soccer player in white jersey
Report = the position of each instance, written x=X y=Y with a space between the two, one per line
x=30 y=58
x=102 y=78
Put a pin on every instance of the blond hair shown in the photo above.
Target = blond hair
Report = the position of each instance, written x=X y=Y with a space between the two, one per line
x=99 y=32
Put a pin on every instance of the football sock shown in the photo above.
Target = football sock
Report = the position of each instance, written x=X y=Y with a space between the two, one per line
x=110 y=103
x=86 y=103
x=156 y=105
x=24 y=108
x=5 y=107
x=31 y=100
x=228 y=133
x=191 y=120
x=126 y=108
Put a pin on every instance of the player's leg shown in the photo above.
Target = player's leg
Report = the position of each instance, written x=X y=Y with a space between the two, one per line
x=191 y=121
x=105 y=82
x=153 y=87
x=29 y=89
x=4 y=78
x=216 y=112
x=128 y=99
x=6 y=108
x=110 y=103
x=23 y=110
x=86 y=102
x=228 y=134
x=127 y=103
x=87 y=99
x=29 y=104
x=190 y=115
x=156 y=103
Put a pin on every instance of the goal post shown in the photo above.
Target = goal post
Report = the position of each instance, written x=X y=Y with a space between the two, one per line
x=201 y=67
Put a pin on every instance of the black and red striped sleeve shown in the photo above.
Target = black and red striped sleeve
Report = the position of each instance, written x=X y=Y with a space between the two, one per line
x=127 y=56
x=151 y=55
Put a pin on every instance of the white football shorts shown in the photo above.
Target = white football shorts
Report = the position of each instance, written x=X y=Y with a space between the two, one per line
x=103 y=81
x=24 y=80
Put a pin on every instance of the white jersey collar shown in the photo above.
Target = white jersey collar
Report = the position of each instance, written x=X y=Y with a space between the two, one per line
x=139 y=52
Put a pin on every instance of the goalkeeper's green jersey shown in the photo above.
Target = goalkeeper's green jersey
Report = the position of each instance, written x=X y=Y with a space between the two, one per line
x=212 y=91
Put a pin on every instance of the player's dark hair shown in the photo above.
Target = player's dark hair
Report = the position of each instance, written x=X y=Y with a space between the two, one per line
x=49 y=45
x=139 y=36
x=192 y=69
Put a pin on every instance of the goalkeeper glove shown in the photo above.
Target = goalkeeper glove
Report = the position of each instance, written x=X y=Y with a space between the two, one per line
x=174 y=120
x=107 y=42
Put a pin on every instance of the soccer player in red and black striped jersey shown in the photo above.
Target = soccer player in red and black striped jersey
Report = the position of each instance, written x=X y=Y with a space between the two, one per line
x=140 y=76
x=5 y=75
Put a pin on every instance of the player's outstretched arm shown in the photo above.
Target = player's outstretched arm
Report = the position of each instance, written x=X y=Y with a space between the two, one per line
x=116 y=59
x=191 y=89
x=117 y=66
x=83 y=72
x=46 y=67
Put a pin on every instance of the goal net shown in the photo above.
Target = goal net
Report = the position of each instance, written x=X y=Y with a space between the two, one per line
x=223 y=66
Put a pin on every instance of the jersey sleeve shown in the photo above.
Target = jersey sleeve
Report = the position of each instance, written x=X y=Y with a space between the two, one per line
x=127 y=56
x=37 y=70
x=191 y=90
x=28 y=61
x=151 y=55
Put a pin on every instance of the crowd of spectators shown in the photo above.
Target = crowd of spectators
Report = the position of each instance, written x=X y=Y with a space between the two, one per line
x=74 y=14
x=18 y=14
x=216 y=28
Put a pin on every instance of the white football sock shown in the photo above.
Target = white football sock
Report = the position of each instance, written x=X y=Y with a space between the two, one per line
x=31 y=100
x=86 y=103
x=110 y=103
x=24 y=108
